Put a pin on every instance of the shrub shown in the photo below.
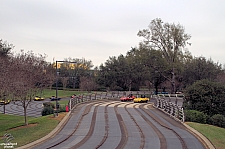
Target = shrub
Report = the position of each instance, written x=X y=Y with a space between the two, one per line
x=62 y=109
x=47 y=111
x=205 y=96
x=218 y=120
x=49 y=104
x=195 y=116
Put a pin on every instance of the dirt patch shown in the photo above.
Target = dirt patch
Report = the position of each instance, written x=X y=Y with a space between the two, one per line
x=24 y=126
x=59 y=117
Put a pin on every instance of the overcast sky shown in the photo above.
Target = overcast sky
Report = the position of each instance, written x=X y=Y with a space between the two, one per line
x=98 y=29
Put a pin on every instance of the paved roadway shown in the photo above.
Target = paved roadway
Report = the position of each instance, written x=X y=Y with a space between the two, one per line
x=114 y=124
x=34 y=109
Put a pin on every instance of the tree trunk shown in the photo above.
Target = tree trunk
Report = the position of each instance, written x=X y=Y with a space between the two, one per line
x=173 y=82
x=74 y=83
x=25 y=113
x=156 y=88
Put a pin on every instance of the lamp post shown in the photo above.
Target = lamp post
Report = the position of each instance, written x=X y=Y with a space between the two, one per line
x=4 y=104
x=56 y=92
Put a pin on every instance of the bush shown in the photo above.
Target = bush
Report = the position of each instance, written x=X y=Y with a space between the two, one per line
x=218 y=120
x=205 y=96
x=62 y=109
x=49 y=104
x=195 y=116
x=47 y=111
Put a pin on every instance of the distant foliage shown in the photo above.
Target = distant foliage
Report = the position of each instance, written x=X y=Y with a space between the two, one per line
x=195 y=116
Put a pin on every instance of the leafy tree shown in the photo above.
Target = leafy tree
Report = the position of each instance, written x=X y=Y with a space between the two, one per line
x=134 y=71
x=145 y=58
x=206 y=96
x=171 y=40
x=73 y=71
x=5 y=48
x=120 y=73
x=199 y=68
x=108 y=73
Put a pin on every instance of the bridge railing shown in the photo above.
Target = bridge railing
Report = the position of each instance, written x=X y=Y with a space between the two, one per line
x=104 y=95
x=172 y=109
x=165 y=102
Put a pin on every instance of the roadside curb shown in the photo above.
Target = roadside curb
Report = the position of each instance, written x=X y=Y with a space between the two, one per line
x=200 y=136
x=197 y=134
x=54 y=132
x=50 y=135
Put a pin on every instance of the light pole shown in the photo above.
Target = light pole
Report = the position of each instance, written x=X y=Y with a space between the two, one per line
x=56 y=91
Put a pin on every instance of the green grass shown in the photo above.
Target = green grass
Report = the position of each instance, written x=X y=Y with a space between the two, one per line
x=63 y=102
x=47 y=93
x=215 y=134
x=42 y=126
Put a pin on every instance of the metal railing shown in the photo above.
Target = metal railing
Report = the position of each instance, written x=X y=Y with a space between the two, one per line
x=104 y=95
x=165 y=102
x=172 y=109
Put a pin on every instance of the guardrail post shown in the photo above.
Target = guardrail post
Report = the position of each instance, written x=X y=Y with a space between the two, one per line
x=171 y=108
x=70 y=104
x=176 y=100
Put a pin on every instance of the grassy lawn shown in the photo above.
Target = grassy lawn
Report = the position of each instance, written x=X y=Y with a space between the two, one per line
x=215 y=134
x=37 y=128
x=47 y=93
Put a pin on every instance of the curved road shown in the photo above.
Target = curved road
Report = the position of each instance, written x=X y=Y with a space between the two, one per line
x=34 y=108
x=114 y=125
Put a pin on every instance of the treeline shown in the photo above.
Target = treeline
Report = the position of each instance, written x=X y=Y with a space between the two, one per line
x=160 y=61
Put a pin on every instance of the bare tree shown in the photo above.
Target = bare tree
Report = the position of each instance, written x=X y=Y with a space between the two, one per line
x=5 y=73
x=87 y=84
x=64 y=81
x=30 y=75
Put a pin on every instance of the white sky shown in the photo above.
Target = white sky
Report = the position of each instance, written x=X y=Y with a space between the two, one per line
x=97 y=29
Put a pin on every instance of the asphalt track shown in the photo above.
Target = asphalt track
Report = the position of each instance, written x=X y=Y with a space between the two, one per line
x=33 y=110
x=108 y=124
